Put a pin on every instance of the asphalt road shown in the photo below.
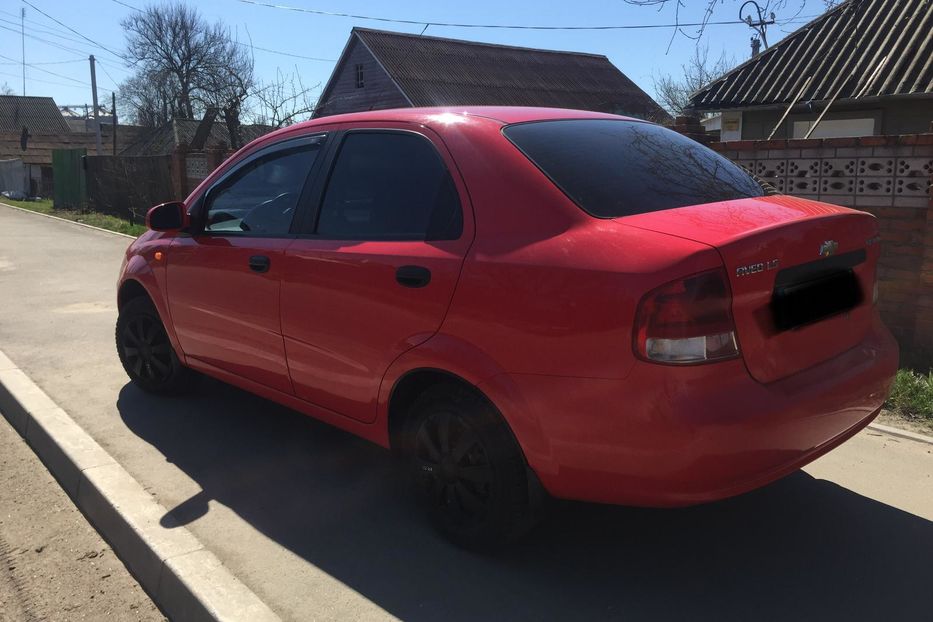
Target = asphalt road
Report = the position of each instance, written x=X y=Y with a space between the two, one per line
x=316 y=522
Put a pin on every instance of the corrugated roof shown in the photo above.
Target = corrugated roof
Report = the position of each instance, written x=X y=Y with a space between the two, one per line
x=434 y=71
x=163 y=140
x=39 y=114
x=866 y=48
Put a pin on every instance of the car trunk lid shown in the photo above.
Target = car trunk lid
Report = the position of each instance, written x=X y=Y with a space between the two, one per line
x=801 y=273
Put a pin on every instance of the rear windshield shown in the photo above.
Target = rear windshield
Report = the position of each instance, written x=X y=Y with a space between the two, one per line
x=618 y=168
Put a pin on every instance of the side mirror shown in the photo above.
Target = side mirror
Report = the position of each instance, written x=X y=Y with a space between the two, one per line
x=171 y=216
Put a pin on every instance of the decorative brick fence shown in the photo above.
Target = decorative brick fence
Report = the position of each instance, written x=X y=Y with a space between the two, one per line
x=189 y=168
x=888 y=176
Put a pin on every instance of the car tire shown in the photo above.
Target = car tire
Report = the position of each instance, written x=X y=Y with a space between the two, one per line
x=146 y=353
x=468 y=471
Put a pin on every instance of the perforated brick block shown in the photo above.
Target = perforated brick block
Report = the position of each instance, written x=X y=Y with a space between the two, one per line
x=880 y=167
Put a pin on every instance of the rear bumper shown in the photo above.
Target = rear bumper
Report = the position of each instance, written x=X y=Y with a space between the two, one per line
x=670 y=436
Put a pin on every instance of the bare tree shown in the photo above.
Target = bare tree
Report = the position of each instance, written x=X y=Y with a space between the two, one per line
x=284 y=100
x=673 y=91
x=6 y=90
x=228 y=88
x=183 y=65
x=149 y=95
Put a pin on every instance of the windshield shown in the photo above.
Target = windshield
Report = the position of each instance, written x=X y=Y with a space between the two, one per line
x=613 y=168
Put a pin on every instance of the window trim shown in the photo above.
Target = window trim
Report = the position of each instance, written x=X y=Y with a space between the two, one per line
x=360 y=82
x=308 y=227
x=199 y=211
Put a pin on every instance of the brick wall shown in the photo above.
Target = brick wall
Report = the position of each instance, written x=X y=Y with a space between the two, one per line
x=888 y=176
x=190 y=168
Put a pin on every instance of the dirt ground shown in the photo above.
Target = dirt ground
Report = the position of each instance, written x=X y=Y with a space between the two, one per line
x=896 y=421
x=53 y=564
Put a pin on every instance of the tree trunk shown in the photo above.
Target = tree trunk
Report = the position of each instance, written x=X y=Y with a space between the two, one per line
x=232 y=119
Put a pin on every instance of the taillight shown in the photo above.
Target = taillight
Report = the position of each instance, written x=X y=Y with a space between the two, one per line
x=687 y=321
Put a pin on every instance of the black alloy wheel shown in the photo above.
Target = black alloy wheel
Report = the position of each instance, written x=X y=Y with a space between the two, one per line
x=467 y=469
x=146 y=352
x=454 y=470
x=146 y=349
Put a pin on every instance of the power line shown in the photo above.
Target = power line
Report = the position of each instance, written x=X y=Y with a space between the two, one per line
x=32 y=65
x=57 y=75
x=49 y=62
x=248 y=45
x=42 y=27
x=422 y=22
x=15 y=75
x=53 y=43
x=129 y=6
x=109 y=77
x=46 y=30
x=56 y=44
x=67 y=27
x=256 y=47
x=70 y=49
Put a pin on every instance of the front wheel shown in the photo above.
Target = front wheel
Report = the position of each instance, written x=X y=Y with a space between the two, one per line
x=146 y=352
x=468 y=471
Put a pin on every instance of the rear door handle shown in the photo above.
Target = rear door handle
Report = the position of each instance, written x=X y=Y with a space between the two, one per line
x=413 y=276
x=259 y=263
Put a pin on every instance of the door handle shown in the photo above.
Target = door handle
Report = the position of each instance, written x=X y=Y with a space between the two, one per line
x=259 y=263
x=413 y=276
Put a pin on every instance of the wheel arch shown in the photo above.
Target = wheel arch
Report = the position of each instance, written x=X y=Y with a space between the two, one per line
x=130 y=288
x=448 y=357
x=409 y=387
x=139 y=280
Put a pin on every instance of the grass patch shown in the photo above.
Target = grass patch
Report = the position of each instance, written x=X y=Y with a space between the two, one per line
x=104 y=221
x=912 y=396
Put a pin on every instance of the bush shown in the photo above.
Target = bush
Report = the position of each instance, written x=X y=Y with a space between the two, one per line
x=912 y=395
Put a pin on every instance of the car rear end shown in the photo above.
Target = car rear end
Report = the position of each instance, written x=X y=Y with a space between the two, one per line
x=744 y=372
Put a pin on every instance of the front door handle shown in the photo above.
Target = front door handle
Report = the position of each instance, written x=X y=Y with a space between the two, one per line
x=413 y=276
x=259 y=263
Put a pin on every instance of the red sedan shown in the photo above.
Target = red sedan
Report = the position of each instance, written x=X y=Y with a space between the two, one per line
x=520 y=301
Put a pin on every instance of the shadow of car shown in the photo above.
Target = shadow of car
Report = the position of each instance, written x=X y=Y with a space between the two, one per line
x=799 y=548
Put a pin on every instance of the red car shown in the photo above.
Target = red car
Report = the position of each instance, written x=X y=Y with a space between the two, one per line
x=521 y=301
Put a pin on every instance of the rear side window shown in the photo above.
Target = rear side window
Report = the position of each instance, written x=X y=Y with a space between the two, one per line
x=618 y=168
x=389 y=186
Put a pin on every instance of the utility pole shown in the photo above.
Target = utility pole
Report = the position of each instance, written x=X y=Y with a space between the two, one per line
x=22 y=31
x=114 y=113
x=96 y=108
x=760 y=25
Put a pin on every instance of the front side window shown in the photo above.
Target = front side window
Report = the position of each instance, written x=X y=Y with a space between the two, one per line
x=261 y=197
x=389 y=186
x=618 y=168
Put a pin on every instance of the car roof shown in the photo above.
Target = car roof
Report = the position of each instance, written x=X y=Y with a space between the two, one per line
x=441 y=115
x=437 y=118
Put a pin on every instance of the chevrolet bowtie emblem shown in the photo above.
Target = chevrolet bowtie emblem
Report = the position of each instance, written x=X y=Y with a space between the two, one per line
x=828 y=248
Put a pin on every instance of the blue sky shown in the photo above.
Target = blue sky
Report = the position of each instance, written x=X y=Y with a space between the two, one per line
x=640 y=54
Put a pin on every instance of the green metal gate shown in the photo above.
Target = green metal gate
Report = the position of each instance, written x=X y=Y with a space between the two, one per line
x=69 y=180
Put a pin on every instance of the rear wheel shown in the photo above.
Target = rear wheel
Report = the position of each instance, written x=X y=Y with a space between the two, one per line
x=146 y=352
x=468 y=471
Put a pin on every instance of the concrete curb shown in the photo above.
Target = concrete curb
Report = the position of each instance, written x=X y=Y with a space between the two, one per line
x=920 y=438
x=184 y=579
x=73 y=222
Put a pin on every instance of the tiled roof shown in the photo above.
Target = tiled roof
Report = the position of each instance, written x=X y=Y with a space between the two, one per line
x=163 y=140
x=866 y=48
x=433 y=71
x=39 y=114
